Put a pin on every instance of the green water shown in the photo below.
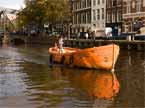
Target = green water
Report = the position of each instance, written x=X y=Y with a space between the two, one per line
x=27 y=81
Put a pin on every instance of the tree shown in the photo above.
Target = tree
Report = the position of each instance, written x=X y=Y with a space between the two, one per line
x=39 y=12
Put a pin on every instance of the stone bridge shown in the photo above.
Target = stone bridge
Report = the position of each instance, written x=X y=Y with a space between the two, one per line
x=15 y=39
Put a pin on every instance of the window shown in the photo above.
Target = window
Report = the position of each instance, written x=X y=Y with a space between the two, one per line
x=84 y=3
x=108 y=17
x=88 y=3
x=128 y=6
x=108 y=3
x=143 y=2
x=114 y=3
x=79 y=18
x=84 y=17
x=94 y=2
x=75 y=5
x=98 y=14
x=75 y=19
x=138 y=5
x=88 y=17
x=98 y=2
x=80 y=4
x=94 y=15
x=119 y=17
x=119 y=2
x=113 y=17
x=102 y=13
x=81 y=14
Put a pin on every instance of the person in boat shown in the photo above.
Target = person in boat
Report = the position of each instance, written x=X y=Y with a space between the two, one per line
x=86 y=35
x=93 y=35
x=61 y=44
x=55 y=47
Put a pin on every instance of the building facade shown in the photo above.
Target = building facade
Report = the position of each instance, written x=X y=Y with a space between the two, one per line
x=81 y=15
x=98 y=12
x=88 y=15
x=133 y=15
x=122 y=16
x=114 y=16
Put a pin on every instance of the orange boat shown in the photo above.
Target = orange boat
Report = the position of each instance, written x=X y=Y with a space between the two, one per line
x=102 y=57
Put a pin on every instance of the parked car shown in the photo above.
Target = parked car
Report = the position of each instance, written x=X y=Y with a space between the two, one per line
x=82 y=35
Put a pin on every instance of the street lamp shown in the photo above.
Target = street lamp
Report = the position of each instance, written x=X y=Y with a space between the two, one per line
x=4 y=19
x=5 y=38
x=70 y=29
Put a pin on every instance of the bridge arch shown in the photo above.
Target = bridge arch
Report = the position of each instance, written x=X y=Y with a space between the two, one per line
x=17 y=41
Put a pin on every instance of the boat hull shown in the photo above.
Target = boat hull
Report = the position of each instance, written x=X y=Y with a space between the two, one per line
x=102 y=57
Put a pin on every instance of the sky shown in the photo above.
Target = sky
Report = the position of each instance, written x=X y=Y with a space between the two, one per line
x=12 y=4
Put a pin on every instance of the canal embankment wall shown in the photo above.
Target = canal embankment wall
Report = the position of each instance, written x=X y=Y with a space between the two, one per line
x=125 y=44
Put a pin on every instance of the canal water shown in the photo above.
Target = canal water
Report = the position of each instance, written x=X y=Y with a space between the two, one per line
x=27 y=81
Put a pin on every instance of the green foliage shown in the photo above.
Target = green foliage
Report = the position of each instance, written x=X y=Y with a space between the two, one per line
x=39 y=12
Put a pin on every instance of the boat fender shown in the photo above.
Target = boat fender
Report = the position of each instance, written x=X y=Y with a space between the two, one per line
x=51 y=59
x=62 y=60
x=55 y=49
x=71 y=59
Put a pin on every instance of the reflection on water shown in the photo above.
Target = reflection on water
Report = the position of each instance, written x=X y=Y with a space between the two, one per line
x=100 y=84
x=26 y=81
x=91 y=87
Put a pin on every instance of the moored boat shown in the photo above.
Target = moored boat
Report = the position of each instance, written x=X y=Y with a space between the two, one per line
x=102 y=57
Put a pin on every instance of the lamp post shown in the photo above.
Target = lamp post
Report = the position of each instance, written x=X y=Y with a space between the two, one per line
x=70 y=29
x=5 y=38
x=4 y=19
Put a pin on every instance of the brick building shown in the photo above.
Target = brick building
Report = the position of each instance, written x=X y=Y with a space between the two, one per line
x=114 y=15
x=133 y=15
x=98 y=14
x=81 y=17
